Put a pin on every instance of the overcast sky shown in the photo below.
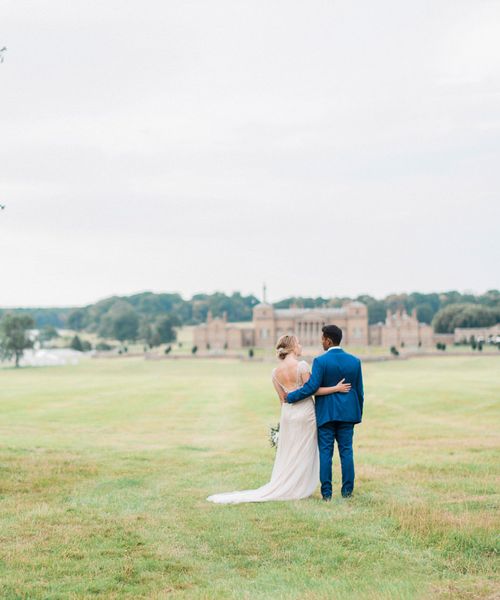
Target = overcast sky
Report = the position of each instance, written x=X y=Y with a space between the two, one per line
x=325 y=147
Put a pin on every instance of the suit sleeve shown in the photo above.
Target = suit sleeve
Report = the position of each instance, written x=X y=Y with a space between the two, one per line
x=359 y=388
x=309 y=388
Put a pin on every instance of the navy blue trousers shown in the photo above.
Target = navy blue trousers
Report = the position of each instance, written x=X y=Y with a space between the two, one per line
x=342 y=433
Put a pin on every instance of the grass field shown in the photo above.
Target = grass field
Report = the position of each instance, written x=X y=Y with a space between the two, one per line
x=105 y=466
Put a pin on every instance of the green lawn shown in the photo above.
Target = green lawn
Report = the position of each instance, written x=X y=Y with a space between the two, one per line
x=105 y=466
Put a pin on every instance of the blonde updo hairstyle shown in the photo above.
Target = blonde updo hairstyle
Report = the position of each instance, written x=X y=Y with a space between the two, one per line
x=286 y=345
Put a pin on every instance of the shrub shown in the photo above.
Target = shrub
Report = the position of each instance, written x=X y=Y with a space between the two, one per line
x=394 y=351
x=103 y=347
x=194 y=350
x=168 y=349
x=251 y=353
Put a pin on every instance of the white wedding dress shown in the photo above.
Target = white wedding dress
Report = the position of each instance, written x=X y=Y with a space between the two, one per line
x=295 y=473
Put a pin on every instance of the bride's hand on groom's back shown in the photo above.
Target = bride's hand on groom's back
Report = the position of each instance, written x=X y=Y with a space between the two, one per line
x=343 y=387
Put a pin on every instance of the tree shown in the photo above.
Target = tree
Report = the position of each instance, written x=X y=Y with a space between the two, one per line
x=424 y=313
x=145 y=331
x=86 y=346
x=376 y=312
x=117 y=319
x=165 y=328
x=76 y=344
x=474 y=315
x=237 y=307
x=443 y=320
x=125 y=326
x=464 y=315
x=490 y=298
x=432 y=300
x=77 y=319
x=48 y=333
x=14 y=336
x=376 y=308
x=149 y=334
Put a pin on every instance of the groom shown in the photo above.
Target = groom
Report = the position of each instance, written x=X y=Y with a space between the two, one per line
x=336 y=414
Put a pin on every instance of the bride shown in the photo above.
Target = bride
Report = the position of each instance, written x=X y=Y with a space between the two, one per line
x=296 y=467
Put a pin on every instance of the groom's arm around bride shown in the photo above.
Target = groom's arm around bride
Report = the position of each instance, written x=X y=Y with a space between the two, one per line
x=311 y=386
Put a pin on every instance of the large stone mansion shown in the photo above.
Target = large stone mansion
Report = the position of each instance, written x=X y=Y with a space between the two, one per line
x=269 y=323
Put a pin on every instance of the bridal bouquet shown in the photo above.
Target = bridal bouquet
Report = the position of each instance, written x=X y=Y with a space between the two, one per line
x=274 y=435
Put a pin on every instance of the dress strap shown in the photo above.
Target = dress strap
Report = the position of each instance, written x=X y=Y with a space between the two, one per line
x=278 y=382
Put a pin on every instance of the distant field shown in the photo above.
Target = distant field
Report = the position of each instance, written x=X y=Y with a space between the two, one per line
x=185 y=340
x=105 y=466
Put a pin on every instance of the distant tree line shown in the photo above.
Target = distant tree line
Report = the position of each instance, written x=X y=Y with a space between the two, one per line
x=43 y=317
x=468 y=310
x=153 y=318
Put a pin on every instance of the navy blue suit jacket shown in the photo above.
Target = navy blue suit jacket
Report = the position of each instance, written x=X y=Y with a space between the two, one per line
x=327 y=370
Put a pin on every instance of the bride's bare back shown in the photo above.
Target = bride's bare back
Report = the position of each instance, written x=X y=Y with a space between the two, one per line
x=292 y=373
x=287 y=373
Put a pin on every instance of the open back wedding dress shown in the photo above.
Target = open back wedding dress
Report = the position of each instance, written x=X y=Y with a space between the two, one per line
x=295 y=473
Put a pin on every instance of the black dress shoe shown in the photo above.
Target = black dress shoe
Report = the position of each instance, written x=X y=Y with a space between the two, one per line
x=349 y=495
x=327 y=498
